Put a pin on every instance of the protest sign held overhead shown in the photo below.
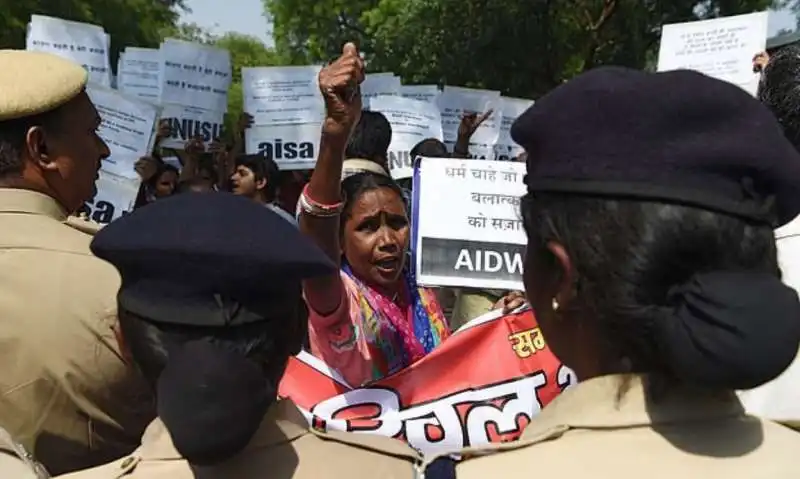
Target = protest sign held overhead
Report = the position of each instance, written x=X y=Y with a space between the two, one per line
x=505 y=149
x=722 y=48
x=195 y=75
x=379 y=84
x=429 y=93
x=292 y=147
x=187 y=122
x=455 y=102
x=412 y=121
x=139 y=73
x=115 y=196
x=483 y=385
x=282 y=95
x=469 y=232
x=85 y=44
x=128 y=126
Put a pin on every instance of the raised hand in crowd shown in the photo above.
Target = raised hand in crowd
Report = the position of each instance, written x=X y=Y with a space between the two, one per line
x=470 y=122
x=510 y=301
x=164 y=131
x=146 y=167
x=760 y=61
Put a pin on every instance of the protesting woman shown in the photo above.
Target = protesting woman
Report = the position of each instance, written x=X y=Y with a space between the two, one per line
x=651 y=267
x=370 y=320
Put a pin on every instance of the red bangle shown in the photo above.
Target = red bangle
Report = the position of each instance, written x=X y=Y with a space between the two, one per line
x=321 y=208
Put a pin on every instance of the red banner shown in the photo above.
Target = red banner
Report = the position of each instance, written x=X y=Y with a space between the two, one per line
x=482 y=385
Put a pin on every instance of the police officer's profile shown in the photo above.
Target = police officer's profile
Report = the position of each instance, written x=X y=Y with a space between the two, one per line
x=65 y=393
x=651 y=267
x=209 y=312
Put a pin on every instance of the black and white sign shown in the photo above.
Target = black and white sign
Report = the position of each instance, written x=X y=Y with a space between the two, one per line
x=195 y=75
x=292 y=147
x=115 y=197
x=139 y=73
x=187 y=122
x=469 y=232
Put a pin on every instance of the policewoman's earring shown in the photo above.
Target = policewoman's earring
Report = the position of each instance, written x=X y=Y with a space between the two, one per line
x=555 y=305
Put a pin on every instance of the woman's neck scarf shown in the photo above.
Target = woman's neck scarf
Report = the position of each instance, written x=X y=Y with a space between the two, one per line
x=394 y=340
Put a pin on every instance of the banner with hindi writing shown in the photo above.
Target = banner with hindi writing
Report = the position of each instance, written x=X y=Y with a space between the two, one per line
x=482 y=385
x=466 y=226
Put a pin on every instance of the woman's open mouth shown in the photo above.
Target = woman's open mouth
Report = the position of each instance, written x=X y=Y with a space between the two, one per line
x=388 y=265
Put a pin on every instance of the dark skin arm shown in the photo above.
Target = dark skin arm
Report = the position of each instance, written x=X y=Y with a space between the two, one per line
x=338 y=83
x=468 y=126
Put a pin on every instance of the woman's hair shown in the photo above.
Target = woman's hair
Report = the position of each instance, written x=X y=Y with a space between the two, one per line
x=213 y=385
x=431 y=148
x=630 y=256
x=779 y=90
x=356 y=185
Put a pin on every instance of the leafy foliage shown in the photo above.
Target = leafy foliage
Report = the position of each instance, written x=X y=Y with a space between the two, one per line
x=520 y=47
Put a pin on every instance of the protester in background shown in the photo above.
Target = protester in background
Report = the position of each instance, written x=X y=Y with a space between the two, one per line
x=651 y=267
x=256 y=177
x=370 y=140
x=159 y=180
x=65 y=393
x=195 y=185
x=212 y=324
x=779 y=90
x=371 y=320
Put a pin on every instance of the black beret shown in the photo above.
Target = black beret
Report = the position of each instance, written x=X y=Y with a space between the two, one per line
x=676 y=136
x=208 y=260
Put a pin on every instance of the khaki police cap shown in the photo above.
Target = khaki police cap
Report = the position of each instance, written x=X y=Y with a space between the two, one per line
x=34 y=82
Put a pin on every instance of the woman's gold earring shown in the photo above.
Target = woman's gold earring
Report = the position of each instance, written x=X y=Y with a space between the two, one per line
x=555 y=304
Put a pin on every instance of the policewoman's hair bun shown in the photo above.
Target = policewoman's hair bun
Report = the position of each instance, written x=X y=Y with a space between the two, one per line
x=212 y=401
x=729 y=330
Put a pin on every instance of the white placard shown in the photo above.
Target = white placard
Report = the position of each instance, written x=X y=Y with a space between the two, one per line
x=115 y=197
x=469 y=232
x=187 y=122
x=128 y=128
x=454 y=102
x=429 y=93
x=138 y=73
x=292 y=147
x=412 y=121
x=722 y=48
x=378 y=84
x=282 y=95
x=85 y=44
x=511 y=108
x=195 y=75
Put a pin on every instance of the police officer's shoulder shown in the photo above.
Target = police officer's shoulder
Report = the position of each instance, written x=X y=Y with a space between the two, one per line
x=16 y=462
x=118 y=469
x=372 y=443
x=83 y=224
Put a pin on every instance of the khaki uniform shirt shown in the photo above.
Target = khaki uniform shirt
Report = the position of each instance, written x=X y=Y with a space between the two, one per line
x=587 y=432
x=282 y=447
x=65 y=392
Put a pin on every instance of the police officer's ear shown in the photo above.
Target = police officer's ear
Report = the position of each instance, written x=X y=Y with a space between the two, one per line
x=36 y=145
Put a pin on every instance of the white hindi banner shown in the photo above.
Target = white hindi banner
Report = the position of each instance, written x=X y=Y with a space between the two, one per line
x=85 y=44
x=379 y=84
x=282 y=95
x=115 y=196
x=454 y=102
x=138 y=73
x=128 y=128
x=292 y=147
x=429 y=93
x=469 y=234
x=722 y=48
x=412 y=121
x=505 y=149
x=187 y=122
x=195 y=75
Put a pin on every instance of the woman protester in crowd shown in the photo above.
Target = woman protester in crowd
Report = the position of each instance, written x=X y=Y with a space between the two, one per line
x=159 y=180
x=369 y=320
x=651 y=268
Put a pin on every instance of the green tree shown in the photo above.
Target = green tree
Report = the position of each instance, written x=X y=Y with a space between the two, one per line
x=138 y=23
x=520 y=47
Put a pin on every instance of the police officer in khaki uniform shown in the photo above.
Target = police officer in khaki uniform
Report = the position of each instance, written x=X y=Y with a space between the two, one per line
x=209 y=313
x=651 y=267
x=65 y=392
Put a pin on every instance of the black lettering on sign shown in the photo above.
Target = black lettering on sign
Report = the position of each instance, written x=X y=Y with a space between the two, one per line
x=279 y=150
x=472 y=259
x=184 y=129
x=100 y=212
x=400 y=159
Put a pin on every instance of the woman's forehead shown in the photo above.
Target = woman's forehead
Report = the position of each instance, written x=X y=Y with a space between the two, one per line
x=374 y=201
